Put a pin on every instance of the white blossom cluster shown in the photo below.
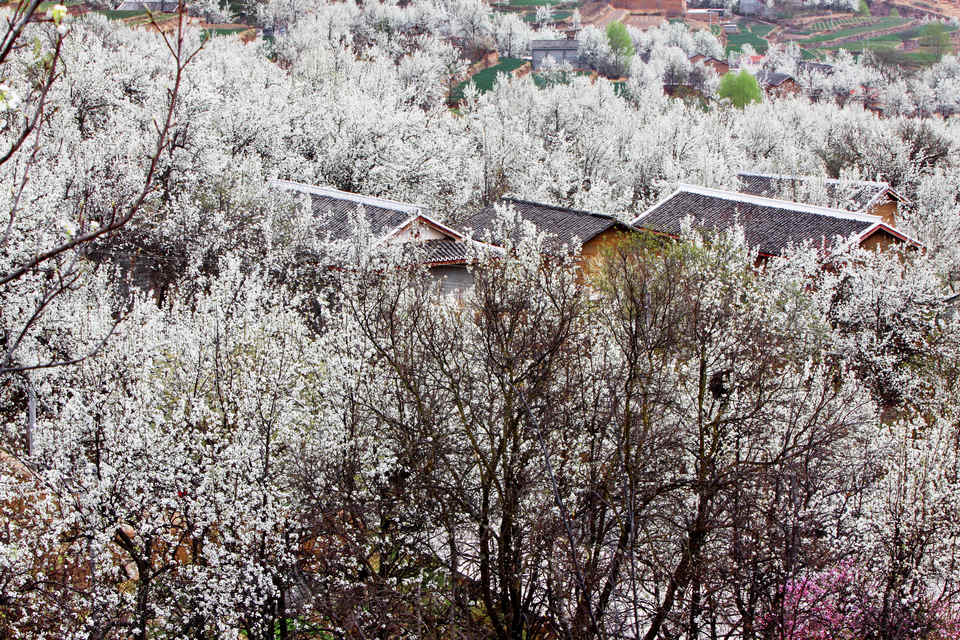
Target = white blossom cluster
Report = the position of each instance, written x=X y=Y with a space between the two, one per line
x=217 y=422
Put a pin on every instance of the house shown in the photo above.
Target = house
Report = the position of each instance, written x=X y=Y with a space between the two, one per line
x=720 y=66
x=756 y=8
x=805 y=66
x=769 y=225
x=859 y=196
x=559 y=50
x=776 y=83
x=445 y=251
x=594 y=231
x=155 y=6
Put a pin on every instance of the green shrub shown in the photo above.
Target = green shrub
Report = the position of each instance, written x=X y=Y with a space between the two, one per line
x=741 y=88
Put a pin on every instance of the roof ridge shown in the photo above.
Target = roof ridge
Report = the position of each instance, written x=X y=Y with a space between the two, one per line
x=776 y=203
x=783 y=176
x=330 y=192
x=595 y=214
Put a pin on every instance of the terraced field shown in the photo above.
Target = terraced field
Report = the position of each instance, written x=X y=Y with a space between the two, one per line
x=875 y=24
x=890 y=42
x=750 y=33
x=838 y=23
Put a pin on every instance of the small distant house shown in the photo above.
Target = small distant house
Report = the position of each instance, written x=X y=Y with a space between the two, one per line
x=559 y=50
x=756 y=8
x=707 y=12
x=805 y=66
x=720 y=66
x=951 y=305
x=445 y=251
x=769 y=225
x=776 y=83
x=565 y=226
x=156 y=6
x=859 y=196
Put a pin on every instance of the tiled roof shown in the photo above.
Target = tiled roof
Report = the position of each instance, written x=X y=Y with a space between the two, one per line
x=333 y=210
x=447 y=251
x=772 y=78
x=769 y=225
x=805 y=66
x=549 y=45
x=561 y=223
x=854 y=195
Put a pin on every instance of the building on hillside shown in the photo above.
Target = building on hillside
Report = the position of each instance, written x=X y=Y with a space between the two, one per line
x=756 y=8
x=564 y=226
x=445 y=251
x=951 y=306
x=559 y=50
x=669 y=8
x=805 y=66
x=777 y=84
x=720 y=66
x=156 y=6
x=707 y=12
x=859 y=196
x=769 y=225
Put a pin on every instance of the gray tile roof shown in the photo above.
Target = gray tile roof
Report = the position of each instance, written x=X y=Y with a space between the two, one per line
x=447 y=251
x=805 y=66
x=554 y=45
x=562 y=223
x=334 y=217
x=335 y=210
x=853 y=195
x=769 y=225
x=772 y=78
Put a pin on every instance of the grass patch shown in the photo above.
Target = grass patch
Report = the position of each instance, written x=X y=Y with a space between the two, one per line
x=735 y=42
x=923 y=57
x=751 y=33
x=555 y=17
x=484 y=80
x=123 y=15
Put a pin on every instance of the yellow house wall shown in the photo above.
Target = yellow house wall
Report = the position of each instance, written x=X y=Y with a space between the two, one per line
x=879 y=240
x=593 y=251
x=887 y=211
